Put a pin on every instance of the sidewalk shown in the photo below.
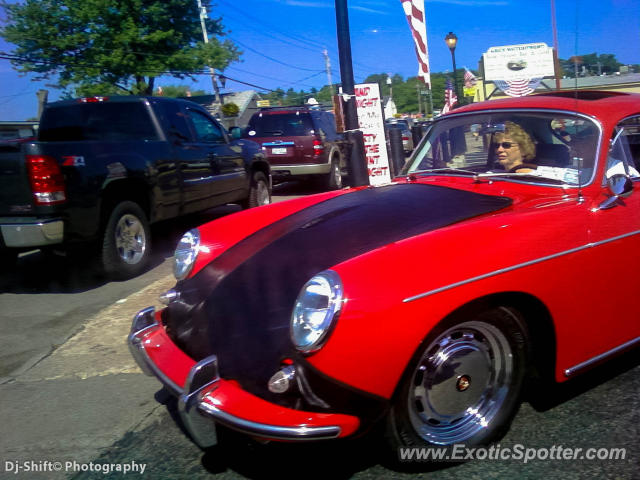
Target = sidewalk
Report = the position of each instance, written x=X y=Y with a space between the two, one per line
x=82 y=398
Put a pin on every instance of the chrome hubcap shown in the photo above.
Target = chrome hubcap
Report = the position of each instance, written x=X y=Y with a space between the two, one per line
x=262 y=194
x=131 y=241
x=460 y=383
x=337 y=176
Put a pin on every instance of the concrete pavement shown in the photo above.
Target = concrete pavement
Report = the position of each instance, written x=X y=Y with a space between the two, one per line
x=82 y=398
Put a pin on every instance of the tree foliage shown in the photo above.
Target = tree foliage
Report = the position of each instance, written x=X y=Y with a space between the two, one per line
x=175 y=91
x=112 y=46
x=590 y=64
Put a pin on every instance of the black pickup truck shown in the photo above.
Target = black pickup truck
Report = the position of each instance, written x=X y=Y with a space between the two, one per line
x=104 y=168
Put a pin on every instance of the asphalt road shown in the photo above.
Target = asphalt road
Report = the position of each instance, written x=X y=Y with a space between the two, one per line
x=70 y=392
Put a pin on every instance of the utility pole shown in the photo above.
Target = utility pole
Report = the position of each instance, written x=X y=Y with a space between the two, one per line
x=556 y=61
x=327 y=64
x=358 y=172
x=203 y=16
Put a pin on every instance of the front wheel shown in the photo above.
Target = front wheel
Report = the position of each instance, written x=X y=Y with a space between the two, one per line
x=259 y=192
x=464 y=387
x=126 y=242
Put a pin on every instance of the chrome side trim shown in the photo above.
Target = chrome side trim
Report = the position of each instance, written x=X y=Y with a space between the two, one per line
x=520 y=265
x=599 y=358
x=143 y=322
x=269 y=431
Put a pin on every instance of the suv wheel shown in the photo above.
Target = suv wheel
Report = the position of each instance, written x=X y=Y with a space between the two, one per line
x=334 y=180
x=259 y=193
x=126 y=242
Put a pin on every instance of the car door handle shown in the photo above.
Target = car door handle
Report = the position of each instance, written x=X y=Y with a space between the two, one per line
x=213 y=158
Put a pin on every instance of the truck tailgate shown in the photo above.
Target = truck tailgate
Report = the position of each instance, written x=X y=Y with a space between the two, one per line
x=15 y=191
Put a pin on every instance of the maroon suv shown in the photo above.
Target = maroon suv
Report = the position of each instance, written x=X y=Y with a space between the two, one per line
x=300 y=142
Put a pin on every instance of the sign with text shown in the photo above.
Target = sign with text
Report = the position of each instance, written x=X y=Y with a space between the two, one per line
x=513 y=62
x=371 y=123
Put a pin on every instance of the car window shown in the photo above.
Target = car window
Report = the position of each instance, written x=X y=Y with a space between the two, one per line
x=624 y=152
x=103 y=121
x=280 y=124
x=177 y=121
x=509 y=146
x=206 y=130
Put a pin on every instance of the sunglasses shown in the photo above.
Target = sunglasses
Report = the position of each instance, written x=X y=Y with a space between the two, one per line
x=505 y=145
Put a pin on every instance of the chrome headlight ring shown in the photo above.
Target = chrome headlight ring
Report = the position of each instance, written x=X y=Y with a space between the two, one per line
x=316 y=308
x=186 y=254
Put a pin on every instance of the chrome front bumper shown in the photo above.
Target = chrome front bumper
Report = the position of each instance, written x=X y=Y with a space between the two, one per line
x=198 y=412
x=31 y=233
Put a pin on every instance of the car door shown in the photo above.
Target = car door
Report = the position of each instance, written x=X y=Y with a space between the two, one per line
x=192 y=159
x=228 y=174
x=615 y=235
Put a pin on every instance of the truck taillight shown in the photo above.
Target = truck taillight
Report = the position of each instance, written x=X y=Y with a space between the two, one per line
x=46 y=179
x=318 y=148
x=405 y=138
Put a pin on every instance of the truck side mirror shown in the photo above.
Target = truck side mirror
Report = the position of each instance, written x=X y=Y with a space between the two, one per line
x=236 y=133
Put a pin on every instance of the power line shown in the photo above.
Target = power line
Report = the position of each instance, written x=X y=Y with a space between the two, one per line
x=273 y=59
x=262 y=23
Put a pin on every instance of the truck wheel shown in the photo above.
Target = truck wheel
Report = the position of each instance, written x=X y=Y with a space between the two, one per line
x=126 y=243
x=464 y=385
x=259 y=193
x=334 y=179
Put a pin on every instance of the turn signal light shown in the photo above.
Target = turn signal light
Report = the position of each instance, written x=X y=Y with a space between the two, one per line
x=318 y=148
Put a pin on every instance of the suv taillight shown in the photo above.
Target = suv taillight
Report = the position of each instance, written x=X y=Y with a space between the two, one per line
x=46 y=179
x=318 y=148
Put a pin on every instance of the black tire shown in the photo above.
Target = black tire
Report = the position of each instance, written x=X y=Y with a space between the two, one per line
x=478 y=364
x=259 y=192
x=334 y=178
x=126 y=241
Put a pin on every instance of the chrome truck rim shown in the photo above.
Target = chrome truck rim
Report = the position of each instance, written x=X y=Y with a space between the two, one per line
x=131 y=241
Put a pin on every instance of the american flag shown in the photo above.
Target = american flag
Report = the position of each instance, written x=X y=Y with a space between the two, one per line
x=469 y=78
x=414 y=10
x=450 y=98
x=518 y=87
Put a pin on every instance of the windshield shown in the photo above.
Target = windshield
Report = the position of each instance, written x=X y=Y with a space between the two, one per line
x=280 y=125
x=551 y=148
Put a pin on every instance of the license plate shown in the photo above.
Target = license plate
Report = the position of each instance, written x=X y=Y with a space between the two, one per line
x=279 y=151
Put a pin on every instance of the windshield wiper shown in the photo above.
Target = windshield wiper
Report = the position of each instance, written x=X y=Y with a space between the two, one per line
x=523 y=176
x=448 y=170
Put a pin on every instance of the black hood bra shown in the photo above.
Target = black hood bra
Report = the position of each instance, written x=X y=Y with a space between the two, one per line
x=240 y=304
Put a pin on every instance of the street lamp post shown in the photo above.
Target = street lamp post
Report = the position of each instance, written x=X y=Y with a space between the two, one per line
x=452 y=41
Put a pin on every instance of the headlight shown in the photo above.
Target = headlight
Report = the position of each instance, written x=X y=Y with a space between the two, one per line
x=316 y=307
x=186 y=253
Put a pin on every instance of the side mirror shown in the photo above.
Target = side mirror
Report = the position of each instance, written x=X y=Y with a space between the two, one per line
x=236 y=133
x=620 y=187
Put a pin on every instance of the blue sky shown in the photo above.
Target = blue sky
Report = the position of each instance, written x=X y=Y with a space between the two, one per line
x=282 y=40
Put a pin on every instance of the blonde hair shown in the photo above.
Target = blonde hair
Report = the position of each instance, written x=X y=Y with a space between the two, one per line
x=522 y=138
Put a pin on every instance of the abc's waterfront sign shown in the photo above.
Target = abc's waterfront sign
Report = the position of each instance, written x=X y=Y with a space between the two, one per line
x=512 y=62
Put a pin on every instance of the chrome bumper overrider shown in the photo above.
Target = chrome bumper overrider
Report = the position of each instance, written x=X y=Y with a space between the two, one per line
x=198 y=415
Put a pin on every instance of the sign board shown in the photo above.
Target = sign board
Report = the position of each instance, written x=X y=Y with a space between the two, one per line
x=263 y=103
x=338 y=111
x=371 y=123
x=513 y=62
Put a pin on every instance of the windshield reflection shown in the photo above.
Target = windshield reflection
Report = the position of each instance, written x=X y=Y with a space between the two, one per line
x=549 y=148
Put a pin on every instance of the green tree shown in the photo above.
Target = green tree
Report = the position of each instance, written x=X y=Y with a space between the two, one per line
x=175 y=91
x=590 y=64
x=112 y=46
